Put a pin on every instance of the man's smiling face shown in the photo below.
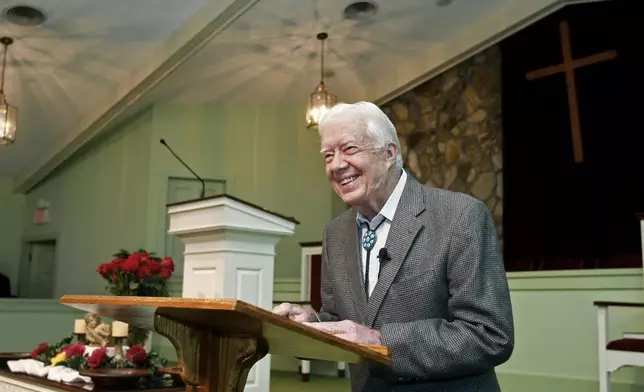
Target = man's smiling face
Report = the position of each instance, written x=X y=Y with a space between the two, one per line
x=354 y=166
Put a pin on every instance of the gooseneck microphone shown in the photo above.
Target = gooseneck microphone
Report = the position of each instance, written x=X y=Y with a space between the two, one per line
x=203 y=184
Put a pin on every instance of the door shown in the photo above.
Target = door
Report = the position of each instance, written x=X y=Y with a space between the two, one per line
x=182 y=189
x=38 y=275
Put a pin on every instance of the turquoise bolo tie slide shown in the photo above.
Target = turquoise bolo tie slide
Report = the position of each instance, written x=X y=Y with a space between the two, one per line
x=369 y=240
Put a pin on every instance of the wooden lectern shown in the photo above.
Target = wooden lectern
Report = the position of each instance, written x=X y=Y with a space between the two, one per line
x=219 y=340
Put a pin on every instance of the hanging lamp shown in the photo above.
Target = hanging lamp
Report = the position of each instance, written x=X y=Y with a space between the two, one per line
x=8 y=113
x=320 y=100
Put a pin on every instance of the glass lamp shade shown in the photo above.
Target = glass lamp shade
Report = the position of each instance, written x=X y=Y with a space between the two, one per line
x=320 y=101
x=8 y=122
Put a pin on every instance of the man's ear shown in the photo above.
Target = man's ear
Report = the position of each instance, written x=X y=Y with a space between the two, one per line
x=391 y=151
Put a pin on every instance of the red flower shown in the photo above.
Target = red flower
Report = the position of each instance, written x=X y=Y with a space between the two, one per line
x=109 y=269
x=116 y=265
x=132 y=263
x=103 y=270
x=96 y=359
x=74 y=349
x=154 y=267
x=136 y=353
x=129 y=270
x=165 y=273
x=143 y=271
x=39 y=350
x=168 y=263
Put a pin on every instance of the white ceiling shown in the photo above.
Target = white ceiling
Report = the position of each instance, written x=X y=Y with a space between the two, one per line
x=271 y=53
x=58 y=71
x=95 y=61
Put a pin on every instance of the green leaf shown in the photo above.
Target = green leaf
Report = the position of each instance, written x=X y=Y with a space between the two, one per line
x=77 y=362
x=134 y=285
x=122 y=254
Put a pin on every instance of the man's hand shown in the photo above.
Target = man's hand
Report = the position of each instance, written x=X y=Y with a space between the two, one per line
x=348 y=330
x=295 y=312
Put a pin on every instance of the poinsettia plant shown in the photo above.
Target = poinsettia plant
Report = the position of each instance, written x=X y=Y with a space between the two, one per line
x=140 y=273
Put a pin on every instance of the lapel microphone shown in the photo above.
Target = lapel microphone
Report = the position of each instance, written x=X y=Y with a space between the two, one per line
x=383 y=256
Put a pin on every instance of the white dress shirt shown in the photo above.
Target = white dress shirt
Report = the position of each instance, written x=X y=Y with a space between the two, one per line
x=387 y=211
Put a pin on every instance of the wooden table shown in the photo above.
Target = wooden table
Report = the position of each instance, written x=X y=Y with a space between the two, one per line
x=219 y=340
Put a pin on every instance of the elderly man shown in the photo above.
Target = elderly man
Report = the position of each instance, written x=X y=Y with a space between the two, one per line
x=414 y=268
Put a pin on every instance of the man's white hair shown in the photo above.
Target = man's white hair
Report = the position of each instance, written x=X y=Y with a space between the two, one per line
x=366 y=117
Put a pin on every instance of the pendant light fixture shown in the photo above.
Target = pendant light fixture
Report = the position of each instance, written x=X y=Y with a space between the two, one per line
x=8 y=113
x=320 y=101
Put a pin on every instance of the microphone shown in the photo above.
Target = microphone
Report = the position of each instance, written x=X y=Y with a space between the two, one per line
x=203 y=184
x=383 y=256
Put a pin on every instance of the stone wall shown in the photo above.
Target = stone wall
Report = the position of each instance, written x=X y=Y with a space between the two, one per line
x=450 y=130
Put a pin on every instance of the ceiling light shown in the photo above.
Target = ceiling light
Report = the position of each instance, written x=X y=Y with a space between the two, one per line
x=360 y=10
x=23 y=15
x=320 y=101
x=8 y=113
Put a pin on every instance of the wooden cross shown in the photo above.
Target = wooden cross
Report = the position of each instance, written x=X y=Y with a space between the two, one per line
x=568 y=68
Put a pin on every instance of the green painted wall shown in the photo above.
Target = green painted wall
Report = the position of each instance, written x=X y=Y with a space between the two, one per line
x=114 y=193
x=265 y=155
x=12 y=207
x=98 y=204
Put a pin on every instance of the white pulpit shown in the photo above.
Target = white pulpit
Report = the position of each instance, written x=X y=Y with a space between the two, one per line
x=230 y=253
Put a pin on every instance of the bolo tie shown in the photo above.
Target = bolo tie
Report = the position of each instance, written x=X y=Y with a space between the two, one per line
x=368 y=242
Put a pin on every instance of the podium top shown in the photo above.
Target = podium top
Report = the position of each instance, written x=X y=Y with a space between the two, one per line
x=284 y=336
x=227 y=196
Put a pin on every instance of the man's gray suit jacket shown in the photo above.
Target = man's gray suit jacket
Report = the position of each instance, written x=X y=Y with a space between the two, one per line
x=442 y=302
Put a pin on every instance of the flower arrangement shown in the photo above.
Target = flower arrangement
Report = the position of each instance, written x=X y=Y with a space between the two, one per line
x=137 y=274
x=140 y=273
x=75 y=356
x=45 y=351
